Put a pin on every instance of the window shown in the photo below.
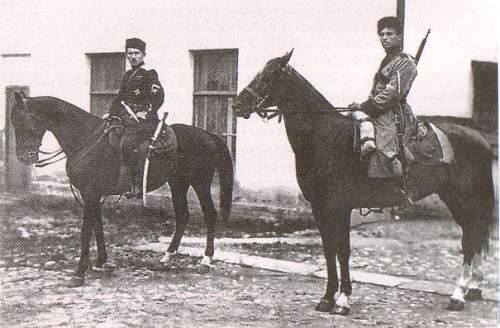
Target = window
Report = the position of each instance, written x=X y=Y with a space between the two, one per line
x=215 y=87
x=485 y=101
x=106 y=71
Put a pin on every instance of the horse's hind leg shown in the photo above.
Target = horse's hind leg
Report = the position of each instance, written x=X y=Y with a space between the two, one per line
x=210 y=214
x=179 y=190
x=471 y=214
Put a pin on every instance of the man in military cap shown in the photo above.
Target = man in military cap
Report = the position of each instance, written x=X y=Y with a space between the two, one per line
x=139 y=98
x=391 y=85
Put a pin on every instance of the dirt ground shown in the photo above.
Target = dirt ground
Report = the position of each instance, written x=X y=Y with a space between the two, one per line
x=39 y=250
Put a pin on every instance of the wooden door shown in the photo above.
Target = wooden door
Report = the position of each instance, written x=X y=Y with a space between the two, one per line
x=17 y=174
x=215 y=87
x=106 y=72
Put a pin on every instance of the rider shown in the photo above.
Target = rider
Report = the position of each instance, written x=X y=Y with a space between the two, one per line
x=139 y=98
x=391 y=85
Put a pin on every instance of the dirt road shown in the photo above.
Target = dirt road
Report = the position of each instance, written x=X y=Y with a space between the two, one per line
x=39 y=248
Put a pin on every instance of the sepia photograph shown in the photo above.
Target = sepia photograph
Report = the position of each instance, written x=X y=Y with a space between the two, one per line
x=248 y=163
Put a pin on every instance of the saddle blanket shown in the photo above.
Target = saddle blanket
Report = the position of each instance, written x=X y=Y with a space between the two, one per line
x=430 y=145
x=446 y=149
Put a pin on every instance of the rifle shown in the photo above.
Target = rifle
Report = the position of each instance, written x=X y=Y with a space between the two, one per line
x=421 y=47
x=399 y=120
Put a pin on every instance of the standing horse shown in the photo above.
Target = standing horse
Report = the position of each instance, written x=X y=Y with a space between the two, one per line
x=334 y=181
x=93 y=166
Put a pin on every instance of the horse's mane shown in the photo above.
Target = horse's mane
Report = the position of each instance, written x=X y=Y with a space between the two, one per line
x=318 y=99
x=62 y=110
x=325 y=138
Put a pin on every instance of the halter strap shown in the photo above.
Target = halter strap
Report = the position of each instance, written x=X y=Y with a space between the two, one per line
x=252 y=92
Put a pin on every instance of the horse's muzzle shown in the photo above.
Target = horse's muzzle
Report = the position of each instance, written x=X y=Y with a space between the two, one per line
x=238 y=111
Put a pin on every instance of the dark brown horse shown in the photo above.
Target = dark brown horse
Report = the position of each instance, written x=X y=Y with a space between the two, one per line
x=334 y=181
x=93 y=167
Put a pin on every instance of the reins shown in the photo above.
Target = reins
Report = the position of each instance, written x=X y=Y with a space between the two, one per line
x=96 y=137
x=264 y=113
x=46 y=161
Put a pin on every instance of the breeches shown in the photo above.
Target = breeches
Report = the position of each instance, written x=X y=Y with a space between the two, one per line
x=132 y=138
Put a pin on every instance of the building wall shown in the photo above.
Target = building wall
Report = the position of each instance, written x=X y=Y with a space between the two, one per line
x=336 y=48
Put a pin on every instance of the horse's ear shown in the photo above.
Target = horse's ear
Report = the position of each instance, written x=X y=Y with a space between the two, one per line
x=19 y=97
x=286 y=58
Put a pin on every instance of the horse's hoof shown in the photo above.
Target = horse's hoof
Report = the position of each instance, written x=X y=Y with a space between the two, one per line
x=103 y=271
x=167 y=258
x=76 y=281
x=207 y=261
x=104 y=268
x=474 y=295
x=455 y=305
x=340 y=310
x=324 y=306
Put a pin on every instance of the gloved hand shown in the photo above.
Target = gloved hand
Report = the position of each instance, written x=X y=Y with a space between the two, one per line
x=105 y=116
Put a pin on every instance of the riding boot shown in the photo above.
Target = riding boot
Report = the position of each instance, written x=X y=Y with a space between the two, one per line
x=136 y=190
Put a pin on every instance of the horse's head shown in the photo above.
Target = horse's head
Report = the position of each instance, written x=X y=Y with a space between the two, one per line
x=28 y=130
x=260 y=93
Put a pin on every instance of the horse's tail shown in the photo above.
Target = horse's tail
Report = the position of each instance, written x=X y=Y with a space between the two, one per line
x=487 y=194
x=226 y=178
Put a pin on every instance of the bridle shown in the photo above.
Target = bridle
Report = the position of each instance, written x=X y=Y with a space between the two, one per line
x=268 y=114
x=52 y=155
x=264 y=113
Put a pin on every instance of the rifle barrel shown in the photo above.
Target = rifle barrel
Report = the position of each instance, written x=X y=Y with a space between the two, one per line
x=421 y=47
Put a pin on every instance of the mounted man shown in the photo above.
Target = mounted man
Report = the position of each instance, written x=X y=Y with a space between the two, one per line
x=139 y=98
x=386 y=106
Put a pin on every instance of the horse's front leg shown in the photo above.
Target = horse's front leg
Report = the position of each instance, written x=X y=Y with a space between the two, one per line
x=343 y=226
x=102 y=255
x=321 y=216
x=91 y=204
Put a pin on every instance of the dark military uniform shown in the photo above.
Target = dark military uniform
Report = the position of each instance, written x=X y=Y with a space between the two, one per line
x=141 y=90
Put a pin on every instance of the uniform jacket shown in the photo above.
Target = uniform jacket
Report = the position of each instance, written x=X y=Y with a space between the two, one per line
x=142 y=91
x=391 y=85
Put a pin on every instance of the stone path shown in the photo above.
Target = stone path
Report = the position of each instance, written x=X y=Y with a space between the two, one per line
x=266 y=263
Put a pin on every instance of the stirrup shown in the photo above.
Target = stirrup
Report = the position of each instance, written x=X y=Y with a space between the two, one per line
x=133 y=194
x=407 y=199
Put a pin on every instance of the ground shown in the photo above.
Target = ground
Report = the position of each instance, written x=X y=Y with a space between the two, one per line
x=39 y=250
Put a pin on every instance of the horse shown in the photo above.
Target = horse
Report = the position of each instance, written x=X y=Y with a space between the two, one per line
x=334 y=180
x=93 y=167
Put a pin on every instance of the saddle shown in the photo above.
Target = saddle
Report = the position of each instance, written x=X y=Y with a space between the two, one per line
x=164 y=148
x=430 y=145
x=427 y=145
